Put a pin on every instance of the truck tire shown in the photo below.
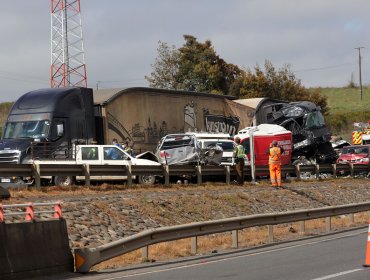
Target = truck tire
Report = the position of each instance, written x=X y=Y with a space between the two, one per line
x=63 y=181
x=146 y=179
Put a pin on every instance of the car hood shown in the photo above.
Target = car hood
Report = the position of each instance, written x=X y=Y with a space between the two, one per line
x=140 y=161
x=352 y=156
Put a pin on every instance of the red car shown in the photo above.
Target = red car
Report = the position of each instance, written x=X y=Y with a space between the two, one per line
x=355 y=154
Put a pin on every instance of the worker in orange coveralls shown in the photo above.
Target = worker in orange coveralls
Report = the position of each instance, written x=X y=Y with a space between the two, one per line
x=275 y=153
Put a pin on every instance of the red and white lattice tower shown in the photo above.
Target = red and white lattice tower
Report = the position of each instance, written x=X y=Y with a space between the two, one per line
x=68 y=66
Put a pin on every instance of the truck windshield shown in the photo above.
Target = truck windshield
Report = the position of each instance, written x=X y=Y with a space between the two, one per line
x=315 y=119
x=27 y=129
x=292 y=111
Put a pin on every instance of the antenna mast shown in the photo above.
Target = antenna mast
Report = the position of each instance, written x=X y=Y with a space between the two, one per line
x=68 y=66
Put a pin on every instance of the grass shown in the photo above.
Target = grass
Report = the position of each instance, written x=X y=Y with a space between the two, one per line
x=342 y=100
x=345 y=108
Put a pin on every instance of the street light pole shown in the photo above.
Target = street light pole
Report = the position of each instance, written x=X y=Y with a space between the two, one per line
x=359 y=66
x=251 y=156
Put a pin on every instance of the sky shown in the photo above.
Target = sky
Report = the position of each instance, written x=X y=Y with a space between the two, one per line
x=317 y=38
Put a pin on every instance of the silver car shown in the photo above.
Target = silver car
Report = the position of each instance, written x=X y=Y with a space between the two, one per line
x=178 y=149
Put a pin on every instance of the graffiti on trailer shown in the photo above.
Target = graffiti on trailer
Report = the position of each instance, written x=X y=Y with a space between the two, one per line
x=117 y=127
x=190 y=115
x=221 y=123
x=150 y=134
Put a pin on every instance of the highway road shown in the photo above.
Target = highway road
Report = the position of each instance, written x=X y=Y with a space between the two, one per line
x=339 y=257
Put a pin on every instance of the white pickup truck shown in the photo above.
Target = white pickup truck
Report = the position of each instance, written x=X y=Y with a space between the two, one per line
x=100 y=155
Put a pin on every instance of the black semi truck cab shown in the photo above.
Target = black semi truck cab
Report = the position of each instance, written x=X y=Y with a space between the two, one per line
x=46 y=123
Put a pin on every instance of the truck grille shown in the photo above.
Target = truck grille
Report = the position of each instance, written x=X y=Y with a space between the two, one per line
x=10 y=156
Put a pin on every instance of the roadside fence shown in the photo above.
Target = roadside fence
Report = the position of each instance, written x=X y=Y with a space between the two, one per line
x=28 y=210
x=200 y=172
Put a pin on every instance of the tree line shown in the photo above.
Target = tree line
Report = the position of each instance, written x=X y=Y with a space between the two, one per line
x=196 y=66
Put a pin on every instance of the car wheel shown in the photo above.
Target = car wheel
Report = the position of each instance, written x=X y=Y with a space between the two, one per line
x=146 y=179
x=63 y=181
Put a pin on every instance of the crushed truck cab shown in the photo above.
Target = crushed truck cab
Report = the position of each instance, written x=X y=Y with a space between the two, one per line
x=100 y=155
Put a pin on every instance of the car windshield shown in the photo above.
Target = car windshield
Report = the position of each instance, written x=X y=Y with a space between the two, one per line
x=27 y=129
x=355 y=150
x=227 y=146
x=315 y=119
x=177 y=141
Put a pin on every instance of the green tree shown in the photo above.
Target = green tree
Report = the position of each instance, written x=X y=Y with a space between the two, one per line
x=165 y=67
x=279 y=84
x=201 y=69
x=194 y=67
x=197 y=67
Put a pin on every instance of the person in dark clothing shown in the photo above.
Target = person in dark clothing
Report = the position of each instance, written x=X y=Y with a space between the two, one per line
x=238 y=157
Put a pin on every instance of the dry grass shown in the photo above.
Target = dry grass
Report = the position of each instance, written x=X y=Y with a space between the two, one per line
x=81 y=190
x=247 y=238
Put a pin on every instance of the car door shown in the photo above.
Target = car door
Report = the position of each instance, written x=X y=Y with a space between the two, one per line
x=90 y=155
x=113 y=155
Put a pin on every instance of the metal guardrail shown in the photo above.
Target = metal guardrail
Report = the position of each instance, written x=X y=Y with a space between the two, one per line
x=28 y=210
x=85 y=258
x=38 y=170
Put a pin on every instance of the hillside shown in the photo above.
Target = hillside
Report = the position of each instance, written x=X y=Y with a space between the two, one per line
x=346 y=108
x=341 y=100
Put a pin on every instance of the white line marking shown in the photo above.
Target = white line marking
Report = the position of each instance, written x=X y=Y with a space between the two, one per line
x=229 y=258
x=338 y=274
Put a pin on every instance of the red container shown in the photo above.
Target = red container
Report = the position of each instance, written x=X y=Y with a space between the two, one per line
x=263 y=135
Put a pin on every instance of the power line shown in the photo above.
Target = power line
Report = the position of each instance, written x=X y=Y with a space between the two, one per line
x=324 y=67
x=20 y=77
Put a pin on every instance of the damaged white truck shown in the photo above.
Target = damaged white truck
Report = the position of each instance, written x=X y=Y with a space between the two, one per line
x=99 y=155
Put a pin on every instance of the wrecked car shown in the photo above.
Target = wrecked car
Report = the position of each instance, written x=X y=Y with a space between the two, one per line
x=338 y=145
x=355 y=154
x=184 y=148
x=216 y=148
x=311 y=137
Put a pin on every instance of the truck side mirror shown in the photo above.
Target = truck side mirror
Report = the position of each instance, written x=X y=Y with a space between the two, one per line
x=60 y=130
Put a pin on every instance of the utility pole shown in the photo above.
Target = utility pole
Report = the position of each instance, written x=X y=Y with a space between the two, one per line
x=97 y=84
x=359 y=66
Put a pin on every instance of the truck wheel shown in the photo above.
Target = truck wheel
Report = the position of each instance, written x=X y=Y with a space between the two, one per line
x=63 y=181
x=146 y=179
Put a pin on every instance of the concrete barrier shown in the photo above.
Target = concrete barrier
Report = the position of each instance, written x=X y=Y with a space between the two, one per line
x=4 y=193
x=37 y=248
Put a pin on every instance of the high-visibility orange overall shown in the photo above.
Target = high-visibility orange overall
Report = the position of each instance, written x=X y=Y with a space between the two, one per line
x=275 y=166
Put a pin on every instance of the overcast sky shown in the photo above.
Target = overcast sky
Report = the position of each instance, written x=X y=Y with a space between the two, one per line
x=316 y=37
